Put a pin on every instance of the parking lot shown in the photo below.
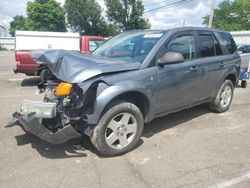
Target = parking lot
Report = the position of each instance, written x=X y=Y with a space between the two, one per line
x=192 y=148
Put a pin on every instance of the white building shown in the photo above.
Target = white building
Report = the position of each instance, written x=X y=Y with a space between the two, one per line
x=241 y=37
x=7 y=43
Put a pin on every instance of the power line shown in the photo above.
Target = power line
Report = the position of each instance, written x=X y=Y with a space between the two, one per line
x=169 y=5
x=155 y=3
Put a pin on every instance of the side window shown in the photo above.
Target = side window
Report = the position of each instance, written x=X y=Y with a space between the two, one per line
x=93 y=44
x=228 y=42
x=209 y=46
x=206 y=45
x=183 y=44
x=218 y=50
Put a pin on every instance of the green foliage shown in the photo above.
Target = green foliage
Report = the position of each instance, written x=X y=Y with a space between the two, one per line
x=85 y=15
x=127 y=14
x=45 y=15
x=108 y=29
x=18 y=23
x=231 y=15
x=42 y=15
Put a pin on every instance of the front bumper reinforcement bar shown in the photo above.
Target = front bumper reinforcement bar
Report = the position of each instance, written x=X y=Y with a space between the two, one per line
x=30 y=119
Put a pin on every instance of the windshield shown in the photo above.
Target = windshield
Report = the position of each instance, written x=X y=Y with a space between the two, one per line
x=129 y=46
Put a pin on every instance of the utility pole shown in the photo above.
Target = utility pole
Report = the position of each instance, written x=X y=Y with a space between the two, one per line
x=126 y=10
x=184 y=23
x=210 y=24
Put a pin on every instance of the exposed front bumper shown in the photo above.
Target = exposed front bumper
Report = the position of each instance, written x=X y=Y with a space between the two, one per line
x=39 y=109
x=30 y=118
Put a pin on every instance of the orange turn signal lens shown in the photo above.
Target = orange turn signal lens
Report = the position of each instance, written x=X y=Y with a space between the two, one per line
x=63 y=89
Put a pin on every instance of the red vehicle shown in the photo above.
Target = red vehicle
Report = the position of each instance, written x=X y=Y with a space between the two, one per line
x=90 y=43
x=26 y=41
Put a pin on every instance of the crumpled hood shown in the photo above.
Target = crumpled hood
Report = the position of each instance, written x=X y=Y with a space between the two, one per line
x=74 y=67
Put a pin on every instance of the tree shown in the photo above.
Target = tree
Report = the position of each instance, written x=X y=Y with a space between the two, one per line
x=45 y=15
x=42 y=15
x=231 y=15
x=18 y=23
x=127 y=14
x=85 y=15
x=108 y=29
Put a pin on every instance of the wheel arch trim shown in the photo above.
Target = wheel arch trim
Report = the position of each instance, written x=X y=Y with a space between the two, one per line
x=114 y=91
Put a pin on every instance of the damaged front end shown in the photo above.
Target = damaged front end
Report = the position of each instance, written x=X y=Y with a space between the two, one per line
x=70 y=81
x=59 y=117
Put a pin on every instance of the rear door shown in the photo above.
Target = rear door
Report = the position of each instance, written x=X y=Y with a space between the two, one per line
x=217 y=53
x=212 y=61
x=178 y=85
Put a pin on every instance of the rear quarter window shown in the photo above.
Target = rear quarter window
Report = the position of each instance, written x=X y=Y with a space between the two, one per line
x=228 y=41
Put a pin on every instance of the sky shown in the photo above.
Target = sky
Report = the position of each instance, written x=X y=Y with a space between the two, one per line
x=192 y=12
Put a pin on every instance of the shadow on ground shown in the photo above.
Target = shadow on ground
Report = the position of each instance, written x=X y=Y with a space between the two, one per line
x=172 y=120
x=32 y=81
x=51 y=151
x=66 y=150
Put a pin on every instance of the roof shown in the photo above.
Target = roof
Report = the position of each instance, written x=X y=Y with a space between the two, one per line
x=179 y=29
x=46 y=34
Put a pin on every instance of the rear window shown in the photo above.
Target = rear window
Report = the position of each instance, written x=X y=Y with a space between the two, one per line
x=93 y=44
x=228 y=42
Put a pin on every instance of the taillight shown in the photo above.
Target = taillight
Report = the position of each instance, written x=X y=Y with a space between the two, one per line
x=17 y=57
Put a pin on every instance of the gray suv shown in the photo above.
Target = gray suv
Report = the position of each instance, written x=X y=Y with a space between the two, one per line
x=131 y=79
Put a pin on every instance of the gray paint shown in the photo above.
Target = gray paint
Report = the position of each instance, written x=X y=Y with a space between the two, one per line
x=74 y=67
x=168 y=88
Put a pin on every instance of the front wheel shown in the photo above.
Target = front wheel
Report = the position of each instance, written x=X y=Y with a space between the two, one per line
x=224 y=97
x=118 y=130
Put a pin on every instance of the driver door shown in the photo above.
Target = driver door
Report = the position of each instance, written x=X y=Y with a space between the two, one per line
x=178 y=84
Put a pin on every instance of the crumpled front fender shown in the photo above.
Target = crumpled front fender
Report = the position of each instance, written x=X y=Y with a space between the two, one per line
x=111 y=92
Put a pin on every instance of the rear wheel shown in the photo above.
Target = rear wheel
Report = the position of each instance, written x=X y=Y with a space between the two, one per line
x=224 y=97
x=118 y=130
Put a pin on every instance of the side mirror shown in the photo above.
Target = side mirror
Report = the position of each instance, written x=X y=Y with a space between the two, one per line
x=170 y=58
x=240 y=52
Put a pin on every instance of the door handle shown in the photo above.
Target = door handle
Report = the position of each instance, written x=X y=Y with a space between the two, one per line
x=194 y=68
x=221 y=64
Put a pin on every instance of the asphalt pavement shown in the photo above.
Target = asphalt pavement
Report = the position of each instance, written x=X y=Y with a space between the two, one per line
x=192 y=148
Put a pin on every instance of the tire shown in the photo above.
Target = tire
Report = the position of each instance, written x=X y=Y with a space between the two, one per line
x=243 y=83
x=224 y=97
x=113 y=136
x=43 y=75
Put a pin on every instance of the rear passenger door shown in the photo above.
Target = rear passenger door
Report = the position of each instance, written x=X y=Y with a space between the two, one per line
x=212 y=61
x=179 y=85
